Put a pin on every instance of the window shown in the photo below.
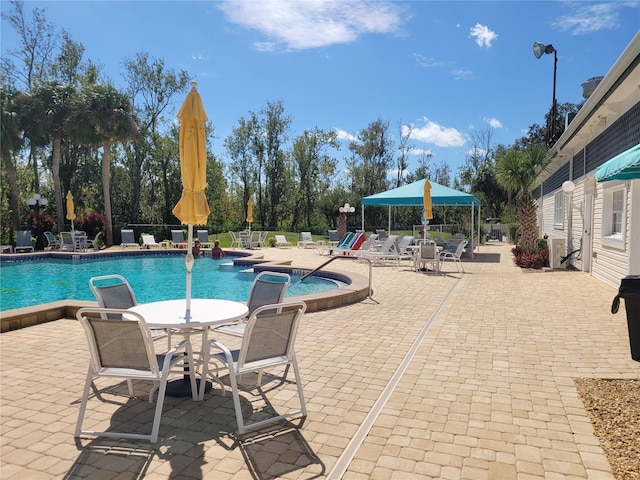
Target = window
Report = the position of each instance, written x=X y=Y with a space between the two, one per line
x=558 y=210
x=614 y=215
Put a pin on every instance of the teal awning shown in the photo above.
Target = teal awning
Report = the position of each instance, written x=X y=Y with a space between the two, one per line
x=624 y=166
x=410 y=195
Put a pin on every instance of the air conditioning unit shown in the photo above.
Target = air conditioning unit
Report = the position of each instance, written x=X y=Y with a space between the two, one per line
x=557 y=250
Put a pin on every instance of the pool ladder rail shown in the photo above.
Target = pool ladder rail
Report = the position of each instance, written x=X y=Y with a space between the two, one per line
x=307 y=275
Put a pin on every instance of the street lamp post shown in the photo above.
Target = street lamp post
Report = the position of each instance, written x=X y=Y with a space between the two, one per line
x=35 y=203
x=538 y=50
x=342 y=220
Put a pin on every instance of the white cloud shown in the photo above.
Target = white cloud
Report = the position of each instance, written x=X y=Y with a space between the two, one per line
x=461 y=74
x=428 y=62
x=592 y=18
x=342 y=135
x=431 y=132
x=493 y=122
x=300 y=25
x=199 y=56
x=483 y=35
x=420 y=152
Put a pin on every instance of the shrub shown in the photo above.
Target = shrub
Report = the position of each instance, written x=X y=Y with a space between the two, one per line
x=90 y=222
x=535 y=260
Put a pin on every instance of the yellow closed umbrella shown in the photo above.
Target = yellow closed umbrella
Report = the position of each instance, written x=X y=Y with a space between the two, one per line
x=427 y=211
x=192 y=208
x=250 y=213
x=71 y=215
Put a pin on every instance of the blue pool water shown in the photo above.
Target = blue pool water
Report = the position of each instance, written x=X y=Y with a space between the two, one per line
x=152 y=277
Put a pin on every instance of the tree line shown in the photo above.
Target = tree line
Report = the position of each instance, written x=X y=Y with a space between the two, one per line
x=66 y=127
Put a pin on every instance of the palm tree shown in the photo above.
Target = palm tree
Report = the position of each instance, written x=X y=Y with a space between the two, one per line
x=11 y=142
x=516 y=171
x=109 y=115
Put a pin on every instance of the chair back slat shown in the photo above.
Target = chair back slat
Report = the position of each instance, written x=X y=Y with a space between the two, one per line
x=268 y=288
x=120 y=344
x=271 y=337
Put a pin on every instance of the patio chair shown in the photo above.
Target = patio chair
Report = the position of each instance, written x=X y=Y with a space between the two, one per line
x=149 y=241
x=121 y=346
x=177 y=239
x=203 y=238
x=334 y=238
x=114 y=291
x=263 y=239
x=454 y=256
x=23 y=241
x=128 y=238
x=282 y=242
x=235 y=240
x=387 y=250
x=267 y=288
x=67 y=241
x=307 y=240
x=354 y=246
x=52 y=242
x=427 y=255
x=254 y=240
x=94 y=243
x=268 y=343
x=381 y=234
x=367 y=245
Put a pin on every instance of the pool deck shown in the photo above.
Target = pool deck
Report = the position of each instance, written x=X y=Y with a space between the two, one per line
x=451 y=376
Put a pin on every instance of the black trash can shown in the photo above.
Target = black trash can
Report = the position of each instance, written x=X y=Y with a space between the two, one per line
x=630 y=292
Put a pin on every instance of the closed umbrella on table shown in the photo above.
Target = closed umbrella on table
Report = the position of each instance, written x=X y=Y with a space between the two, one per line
x=250 y=213
x=427 y=210
x=71 y=215
x=192 y=208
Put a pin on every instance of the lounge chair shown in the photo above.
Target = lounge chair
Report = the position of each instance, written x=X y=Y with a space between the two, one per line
x=94 y=243
x=282 y=242
x=267 y=288
x=387 y=250
x=354 y=246
x=203 y=238
x=334 y=238
x=381 y=234
x=128 y=238
x=177 y=239
x=52 y=242
x=123 y=349
x=307 y=240
x=367 y=245
x=454 y=256
x=23 y=241
x=149 y=241
x=268 y=343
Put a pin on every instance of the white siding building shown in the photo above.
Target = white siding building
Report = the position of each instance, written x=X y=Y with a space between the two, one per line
x=598 y=221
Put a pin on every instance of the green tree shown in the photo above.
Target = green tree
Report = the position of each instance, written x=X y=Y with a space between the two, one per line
x=516 y=171
x=243 y=166
x=109 y=114
x=10 y=142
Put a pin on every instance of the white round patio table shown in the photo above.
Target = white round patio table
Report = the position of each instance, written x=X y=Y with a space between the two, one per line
x=205 y=313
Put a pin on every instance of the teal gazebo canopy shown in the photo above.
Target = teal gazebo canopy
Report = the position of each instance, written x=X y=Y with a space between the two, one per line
x=411 y=195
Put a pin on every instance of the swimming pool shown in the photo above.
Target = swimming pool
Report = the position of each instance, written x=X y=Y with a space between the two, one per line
x=152 y=277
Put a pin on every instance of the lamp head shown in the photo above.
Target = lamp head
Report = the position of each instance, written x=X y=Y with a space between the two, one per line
x=568 y=187
x=540 y=49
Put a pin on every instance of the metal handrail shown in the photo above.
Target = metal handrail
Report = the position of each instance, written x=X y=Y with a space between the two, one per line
x=307 y=275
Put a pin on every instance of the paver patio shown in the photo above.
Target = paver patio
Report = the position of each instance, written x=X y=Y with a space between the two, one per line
x=456 y=376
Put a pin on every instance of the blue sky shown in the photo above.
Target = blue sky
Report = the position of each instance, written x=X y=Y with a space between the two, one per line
x=448 y=69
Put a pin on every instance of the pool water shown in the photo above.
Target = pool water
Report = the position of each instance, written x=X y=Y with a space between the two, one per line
x=153 y=278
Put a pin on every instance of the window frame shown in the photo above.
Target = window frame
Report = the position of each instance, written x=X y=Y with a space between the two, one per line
x=610 y=237
x=558 y=210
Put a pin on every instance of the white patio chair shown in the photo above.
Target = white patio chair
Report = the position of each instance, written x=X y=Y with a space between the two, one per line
x=282 y=242
x=203 y=238
x=307 y=240
x=235 y=240
x=93 y=243
x=177 y=239
x=122 y=347
x=426 y=255
x=267 y=288
x=149 y=241
x=268 y=343
x=454 y=256
x=128 y=238
x=67 y=241
x=52 y=241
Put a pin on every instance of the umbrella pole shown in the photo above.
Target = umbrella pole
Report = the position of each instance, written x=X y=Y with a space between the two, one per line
x=189 y=264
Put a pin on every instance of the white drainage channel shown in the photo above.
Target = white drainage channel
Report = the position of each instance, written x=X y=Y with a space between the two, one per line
x=345 y=459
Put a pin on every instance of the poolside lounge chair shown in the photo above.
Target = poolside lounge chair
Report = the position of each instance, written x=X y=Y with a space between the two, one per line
x=354 y=246
x=334 y=238
x=282 y=242
x=128 y=238
x=23 y=241
x=52 y=241
x=149 y=241
x=307 y=240
x=123 y=349
x=94 y=243
x=387 y=251
x=268 y=343
x=454 y=256
x=381 y=234
x=367 y=245
x=203 y=238
x=177 y=239
x=267 y=288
